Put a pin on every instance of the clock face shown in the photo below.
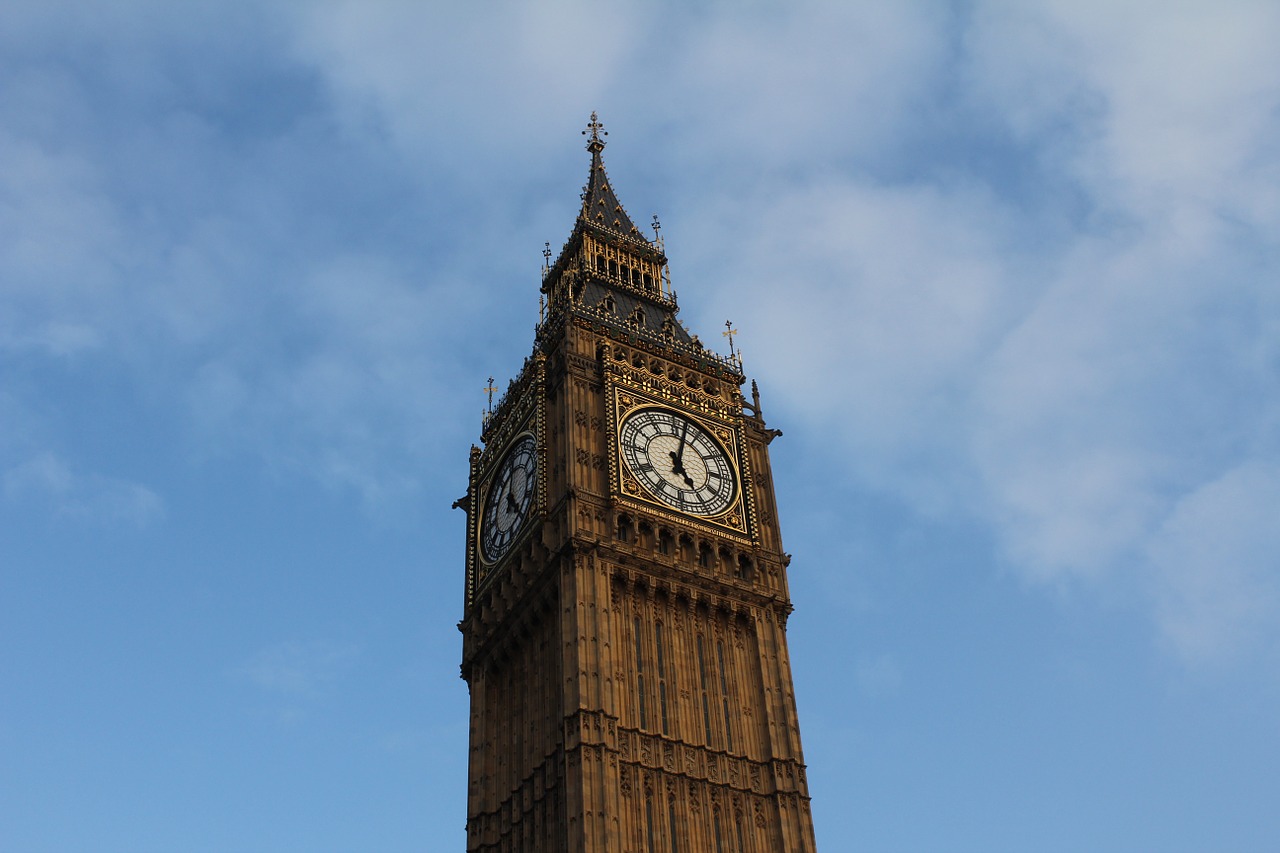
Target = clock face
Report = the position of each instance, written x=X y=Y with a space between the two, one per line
x=510 y=494
x=677 y=461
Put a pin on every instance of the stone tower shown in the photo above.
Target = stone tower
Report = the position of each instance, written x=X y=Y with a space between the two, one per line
x=624 y=631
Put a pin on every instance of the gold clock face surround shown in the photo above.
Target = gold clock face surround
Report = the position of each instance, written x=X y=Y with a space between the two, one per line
x=678 y=461
x=509 y=498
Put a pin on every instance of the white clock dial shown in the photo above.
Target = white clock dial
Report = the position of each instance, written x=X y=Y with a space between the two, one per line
x=677 y=461
x=510 y=494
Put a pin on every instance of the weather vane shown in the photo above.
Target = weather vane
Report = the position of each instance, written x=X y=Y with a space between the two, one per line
x=489 y=389
x=729 y=332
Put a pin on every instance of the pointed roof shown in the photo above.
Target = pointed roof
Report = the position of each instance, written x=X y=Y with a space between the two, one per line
x=600 y=206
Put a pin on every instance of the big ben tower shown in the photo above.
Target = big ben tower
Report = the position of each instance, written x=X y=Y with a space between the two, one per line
x=624 y=631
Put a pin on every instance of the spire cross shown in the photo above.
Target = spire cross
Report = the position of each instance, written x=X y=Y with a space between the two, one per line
x=595 y=145
x=595 y=128
x=489 y=389
x=657 y=226
x=546 y=253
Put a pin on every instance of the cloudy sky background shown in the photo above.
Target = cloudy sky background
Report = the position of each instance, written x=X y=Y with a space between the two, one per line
x=1006 y=274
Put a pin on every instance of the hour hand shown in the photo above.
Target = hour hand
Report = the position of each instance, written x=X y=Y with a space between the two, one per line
x=512 y=506
x=677 y=467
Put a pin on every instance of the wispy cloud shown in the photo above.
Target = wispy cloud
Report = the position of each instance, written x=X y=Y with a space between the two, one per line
x=47 y=480
x=1215 y=564
x=1033 y=246
x=298 y=668
x=878 y=676
x=1087 y=381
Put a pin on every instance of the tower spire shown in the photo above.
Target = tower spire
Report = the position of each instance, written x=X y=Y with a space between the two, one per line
x=600 y=206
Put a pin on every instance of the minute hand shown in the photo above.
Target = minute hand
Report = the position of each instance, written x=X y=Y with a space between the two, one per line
x=677 y=457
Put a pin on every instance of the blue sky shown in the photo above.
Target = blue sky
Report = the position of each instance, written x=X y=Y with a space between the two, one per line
x=1006 y=274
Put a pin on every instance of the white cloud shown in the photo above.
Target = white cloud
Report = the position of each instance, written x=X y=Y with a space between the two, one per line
x=1177 y=104
x=451 y=88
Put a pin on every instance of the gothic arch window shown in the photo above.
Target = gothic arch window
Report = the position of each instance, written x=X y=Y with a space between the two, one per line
x=705 y=555
x=704 y=690
x=686 y=548
x=672 y=825
x=622 y=532
x=608 y=303
x=646 y=535
x=664 y=541
x=726 y=559
x=648 y=282
x=662 y=677
x=640 y=705
x=724 y=697
x=745 y=570
x=600 y=264
x=613 y=267
x=648 y=821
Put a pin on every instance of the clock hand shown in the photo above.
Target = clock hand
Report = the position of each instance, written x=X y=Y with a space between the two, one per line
x=677 y=467
x=677 y=455
x=684 y=435
x=512 y=506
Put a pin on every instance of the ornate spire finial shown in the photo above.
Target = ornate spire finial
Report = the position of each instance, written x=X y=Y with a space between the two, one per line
x=595 y=144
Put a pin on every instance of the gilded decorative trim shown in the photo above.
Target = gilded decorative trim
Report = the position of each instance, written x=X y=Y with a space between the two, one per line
x=523 y=410
x=629 y=389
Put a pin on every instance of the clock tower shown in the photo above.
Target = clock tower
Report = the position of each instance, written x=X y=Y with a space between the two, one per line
x=624 y=627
